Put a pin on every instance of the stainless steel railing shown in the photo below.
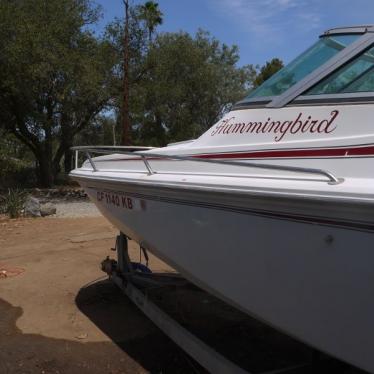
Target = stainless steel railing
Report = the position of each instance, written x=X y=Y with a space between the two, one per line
x=331 y=178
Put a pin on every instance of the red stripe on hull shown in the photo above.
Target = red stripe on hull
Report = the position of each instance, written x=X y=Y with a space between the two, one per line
x=297 y=153
x=280 y=153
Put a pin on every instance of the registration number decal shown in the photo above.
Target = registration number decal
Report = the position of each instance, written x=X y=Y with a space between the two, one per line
x=119 y=200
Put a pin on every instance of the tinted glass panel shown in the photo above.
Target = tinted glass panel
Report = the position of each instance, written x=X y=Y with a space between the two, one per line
x=299 y=68
x=357 y=76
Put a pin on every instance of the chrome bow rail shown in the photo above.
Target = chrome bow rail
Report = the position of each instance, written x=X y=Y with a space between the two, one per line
x=332 y=179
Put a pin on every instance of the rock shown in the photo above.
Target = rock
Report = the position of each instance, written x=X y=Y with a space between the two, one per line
x=36 y=191
x=32 y=207
x=3 y=274
x=47 y=209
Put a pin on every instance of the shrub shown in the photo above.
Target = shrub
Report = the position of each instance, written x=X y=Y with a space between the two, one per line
x=13 y=202
x=15 y=173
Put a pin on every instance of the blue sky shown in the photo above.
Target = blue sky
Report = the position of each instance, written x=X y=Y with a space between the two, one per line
x=262 y=29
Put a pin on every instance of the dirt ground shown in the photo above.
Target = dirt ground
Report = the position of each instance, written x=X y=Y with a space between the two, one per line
x=51 y=321
x=59 y=313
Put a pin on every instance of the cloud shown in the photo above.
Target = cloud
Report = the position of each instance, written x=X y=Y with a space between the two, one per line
x=269 y=21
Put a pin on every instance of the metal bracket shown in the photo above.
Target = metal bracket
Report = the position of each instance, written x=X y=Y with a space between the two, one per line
x=197 y=349
x=123 y=259
x=91 y=161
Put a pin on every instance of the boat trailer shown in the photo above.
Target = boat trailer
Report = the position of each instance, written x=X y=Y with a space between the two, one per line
x=135 y=278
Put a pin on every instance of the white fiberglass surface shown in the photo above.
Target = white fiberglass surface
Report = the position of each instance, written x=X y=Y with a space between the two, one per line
x=292 y=262
x=289 y=127
x=353 y=188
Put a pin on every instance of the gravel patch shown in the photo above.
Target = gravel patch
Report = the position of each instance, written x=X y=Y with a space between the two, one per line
x=75 y=209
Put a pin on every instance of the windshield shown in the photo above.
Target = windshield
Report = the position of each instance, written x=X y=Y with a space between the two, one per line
x=325 y=48
x=357 y=76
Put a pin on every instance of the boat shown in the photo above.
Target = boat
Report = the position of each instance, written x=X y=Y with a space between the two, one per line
x=272 y=208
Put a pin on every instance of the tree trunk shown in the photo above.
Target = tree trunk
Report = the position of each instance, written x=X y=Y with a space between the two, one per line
x=45 y=172
x=63 y=151
x=68 y=158
x=46 y=167
x=126 y=138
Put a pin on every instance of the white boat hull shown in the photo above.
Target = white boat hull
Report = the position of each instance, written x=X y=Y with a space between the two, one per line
x=312 y=281
x=272 y=208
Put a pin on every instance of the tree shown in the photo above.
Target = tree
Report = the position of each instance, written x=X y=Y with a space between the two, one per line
x=16 y=162
x=101 y=131
x=129 y=38
x=180 y=84
x=131 y=49
x=191 y=83
x=152 y=16
x=126 y=139
x=55 y=76
x=266 y=71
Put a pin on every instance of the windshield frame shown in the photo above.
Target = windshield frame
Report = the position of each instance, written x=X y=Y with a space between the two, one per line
x=295 y=92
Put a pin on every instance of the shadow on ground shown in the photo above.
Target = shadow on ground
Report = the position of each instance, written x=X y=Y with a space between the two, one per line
x=31 y=353
x=251 y=344
x=113 y=313
x=140 y=347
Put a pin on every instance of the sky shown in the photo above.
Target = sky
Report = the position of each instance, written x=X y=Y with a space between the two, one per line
x=262 y=29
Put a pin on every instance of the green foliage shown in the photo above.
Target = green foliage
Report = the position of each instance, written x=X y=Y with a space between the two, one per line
x=16 y=162
x=138 y=49
x=180 y=85
x=13 y=202
x=151 y=15
x=266 y=71
x=16 y=172
x=192 y=82
x=54 y=75
x=104 y=130
x=62 y=85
